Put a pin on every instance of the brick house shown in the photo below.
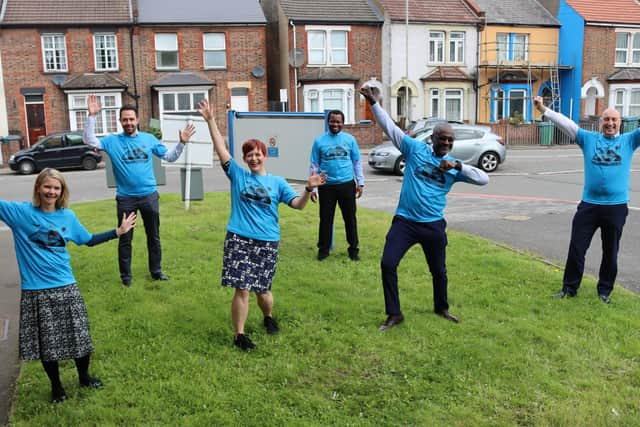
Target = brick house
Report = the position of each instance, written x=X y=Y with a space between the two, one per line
x=162 y=56
x=603 y=44
x=320 y=53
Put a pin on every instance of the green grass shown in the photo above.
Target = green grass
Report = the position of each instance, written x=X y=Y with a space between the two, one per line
x=164 y=350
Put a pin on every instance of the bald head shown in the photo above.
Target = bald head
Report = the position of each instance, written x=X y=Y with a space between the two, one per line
x=610 y=122
x=442 y=138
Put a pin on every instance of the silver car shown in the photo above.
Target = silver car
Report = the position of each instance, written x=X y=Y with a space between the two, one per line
x=474 y=145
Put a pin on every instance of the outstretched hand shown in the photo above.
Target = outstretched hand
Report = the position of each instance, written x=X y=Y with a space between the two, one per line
x=539 y=104
x=206 y=110
x=186 y=133
x=368 y=93
x=128 y=222
x=93 y=105
x=316 y=179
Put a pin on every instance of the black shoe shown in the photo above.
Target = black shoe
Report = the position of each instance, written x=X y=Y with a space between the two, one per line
x=564 y=293
x=354 y=257
x=58 y=395
x=445 y=314
x=90 y=382
x=243 y=341
x=322 y=255
x=159 y=276
x=126 y=282
x=391 y=322
x=271 y=325
x=605 y=298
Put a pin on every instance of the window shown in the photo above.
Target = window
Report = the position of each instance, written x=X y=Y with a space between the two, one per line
x=318 y=98
x=53 y=142
x=107 y=118
x=214 y=45
x=328 y=47
x=512 y=47
x=628 y=49
x=516 y=104
x=181 y=102
x=619 y=101
x=456 y=47
x=436 y=47
x=634 y=103
x=105 y=52
x=435 y=103
x=453 y=104
x=166 y=45
x=54 y=52
x=626 y=99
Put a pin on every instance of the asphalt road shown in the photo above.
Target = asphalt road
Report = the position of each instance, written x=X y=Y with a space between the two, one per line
x=528 y=205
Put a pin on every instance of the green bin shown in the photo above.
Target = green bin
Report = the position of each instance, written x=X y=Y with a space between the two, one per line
x=196 y=191
x=629 y=124
x=546 y=133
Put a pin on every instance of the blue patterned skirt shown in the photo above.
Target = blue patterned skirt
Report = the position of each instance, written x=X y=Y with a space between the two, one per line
x=249 y=264
x=54 y=324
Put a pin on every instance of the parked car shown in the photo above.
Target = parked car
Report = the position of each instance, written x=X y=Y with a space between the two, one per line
x=420 y=125
x=59 y=150
x=474 y=145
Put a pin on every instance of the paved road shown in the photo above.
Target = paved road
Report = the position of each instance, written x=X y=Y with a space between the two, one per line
x=528 y=205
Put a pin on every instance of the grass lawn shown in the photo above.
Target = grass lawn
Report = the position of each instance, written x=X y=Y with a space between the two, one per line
x=164 y=349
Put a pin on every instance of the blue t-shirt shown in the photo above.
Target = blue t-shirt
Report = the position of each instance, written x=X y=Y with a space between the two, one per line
x=254 y=203
x=335 y=154
x=132 y=162
x=40 y=240
x=607 y=165
x=425 y=186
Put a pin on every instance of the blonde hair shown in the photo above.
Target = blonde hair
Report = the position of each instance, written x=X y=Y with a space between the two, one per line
x=63 y=200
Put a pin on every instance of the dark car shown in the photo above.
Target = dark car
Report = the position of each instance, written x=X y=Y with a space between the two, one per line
x=59 y=150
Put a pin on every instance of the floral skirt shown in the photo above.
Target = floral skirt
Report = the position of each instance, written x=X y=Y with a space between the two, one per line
x=54 y=324
x=249 y=264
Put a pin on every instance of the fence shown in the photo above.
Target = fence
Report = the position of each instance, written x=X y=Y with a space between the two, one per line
x=535 y=133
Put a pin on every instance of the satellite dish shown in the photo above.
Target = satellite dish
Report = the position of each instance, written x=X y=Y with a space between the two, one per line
x=257 y=72
x=296 y=57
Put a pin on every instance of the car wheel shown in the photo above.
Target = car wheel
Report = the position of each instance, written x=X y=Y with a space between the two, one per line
x=89 y=163
x=26 y=167
x=489 y=161
x=398 y=168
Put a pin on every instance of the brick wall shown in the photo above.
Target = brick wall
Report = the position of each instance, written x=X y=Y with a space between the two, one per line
x=599 y=57
x=367 y=134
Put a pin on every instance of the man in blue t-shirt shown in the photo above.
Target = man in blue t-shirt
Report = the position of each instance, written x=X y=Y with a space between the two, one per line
x=428 y=177
x=131 y=157
x=336 y=153
x=607 y=164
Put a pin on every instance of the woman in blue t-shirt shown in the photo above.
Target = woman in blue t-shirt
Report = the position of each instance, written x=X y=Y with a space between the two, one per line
x=53 y=318
x=253 y=233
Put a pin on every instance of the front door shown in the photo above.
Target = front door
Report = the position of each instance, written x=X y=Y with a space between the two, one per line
x=35 y=122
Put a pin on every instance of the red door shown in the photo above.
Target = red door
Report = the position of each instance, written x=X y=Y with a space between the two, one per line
x=35 y=122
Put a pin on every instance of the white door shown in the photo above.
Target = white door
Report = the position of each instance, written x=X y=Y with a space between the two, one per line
x=240 y=99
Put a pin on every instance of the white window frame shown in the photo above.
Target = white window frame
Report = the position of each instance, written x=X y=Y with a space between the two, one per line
x=176 y=92
x=434 y=96
x=218 y=49
x=160 y=49
x=630 y=50
x=328 y=50
x=60 y=61
x=436 y=47
x=456 y=47
x=77 y=102
x=525 y=47
x=314 y=93
x=448 y=94
x=506 y=49
x=107 y=51
x=524 y=102
x=621 y=96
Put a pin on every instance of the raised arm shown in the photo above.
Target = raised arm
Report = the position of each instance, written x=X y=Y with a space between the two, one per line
x=89 y=133
x=562 y=121
x=315 y=180
x=127 y=223
x=184 y=136
x=388 y=126
x=207 y=112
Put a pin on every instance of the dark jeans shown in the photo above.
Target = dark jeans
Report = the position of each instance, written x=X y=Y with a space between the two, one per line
x=588 y=218
x=149 y=207
x=402 y=235
x=345 y=196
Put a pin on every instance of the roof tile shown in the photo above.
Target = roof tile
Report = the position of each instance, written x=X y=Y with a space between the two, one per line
x=454 y=11
x=331 y=10
x=615 y=11
x=39 y=12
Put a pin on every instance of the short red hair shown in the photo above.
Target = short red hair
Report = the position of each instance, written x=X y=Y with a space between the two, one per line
x=253 y=144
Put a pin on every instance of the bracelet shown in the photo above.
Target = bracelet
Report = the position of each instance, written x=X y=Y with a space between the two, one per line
x=308 y=189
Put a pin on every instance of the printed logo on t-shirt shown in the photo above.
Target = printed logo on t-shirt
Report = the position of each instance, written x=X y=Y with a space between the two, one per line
x=134 y=155
x=334 y=153
x=49 y=240
x=432 y=174
x=256 y=195
x=606 y=156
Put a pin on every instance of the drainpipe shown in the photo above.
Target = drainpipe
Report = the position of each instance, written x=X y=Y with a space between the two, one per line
x=295 y=67
x=133 y=69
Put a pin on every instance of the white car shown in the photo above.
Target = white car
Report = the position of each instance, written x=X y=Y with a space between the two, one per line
x=473 y=145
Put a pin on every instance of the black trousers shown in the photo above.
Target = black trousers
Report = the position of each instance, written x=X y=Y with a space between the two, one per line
x=149 y=208
x=402 y=235
x=345 y=196
x=610 y=220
